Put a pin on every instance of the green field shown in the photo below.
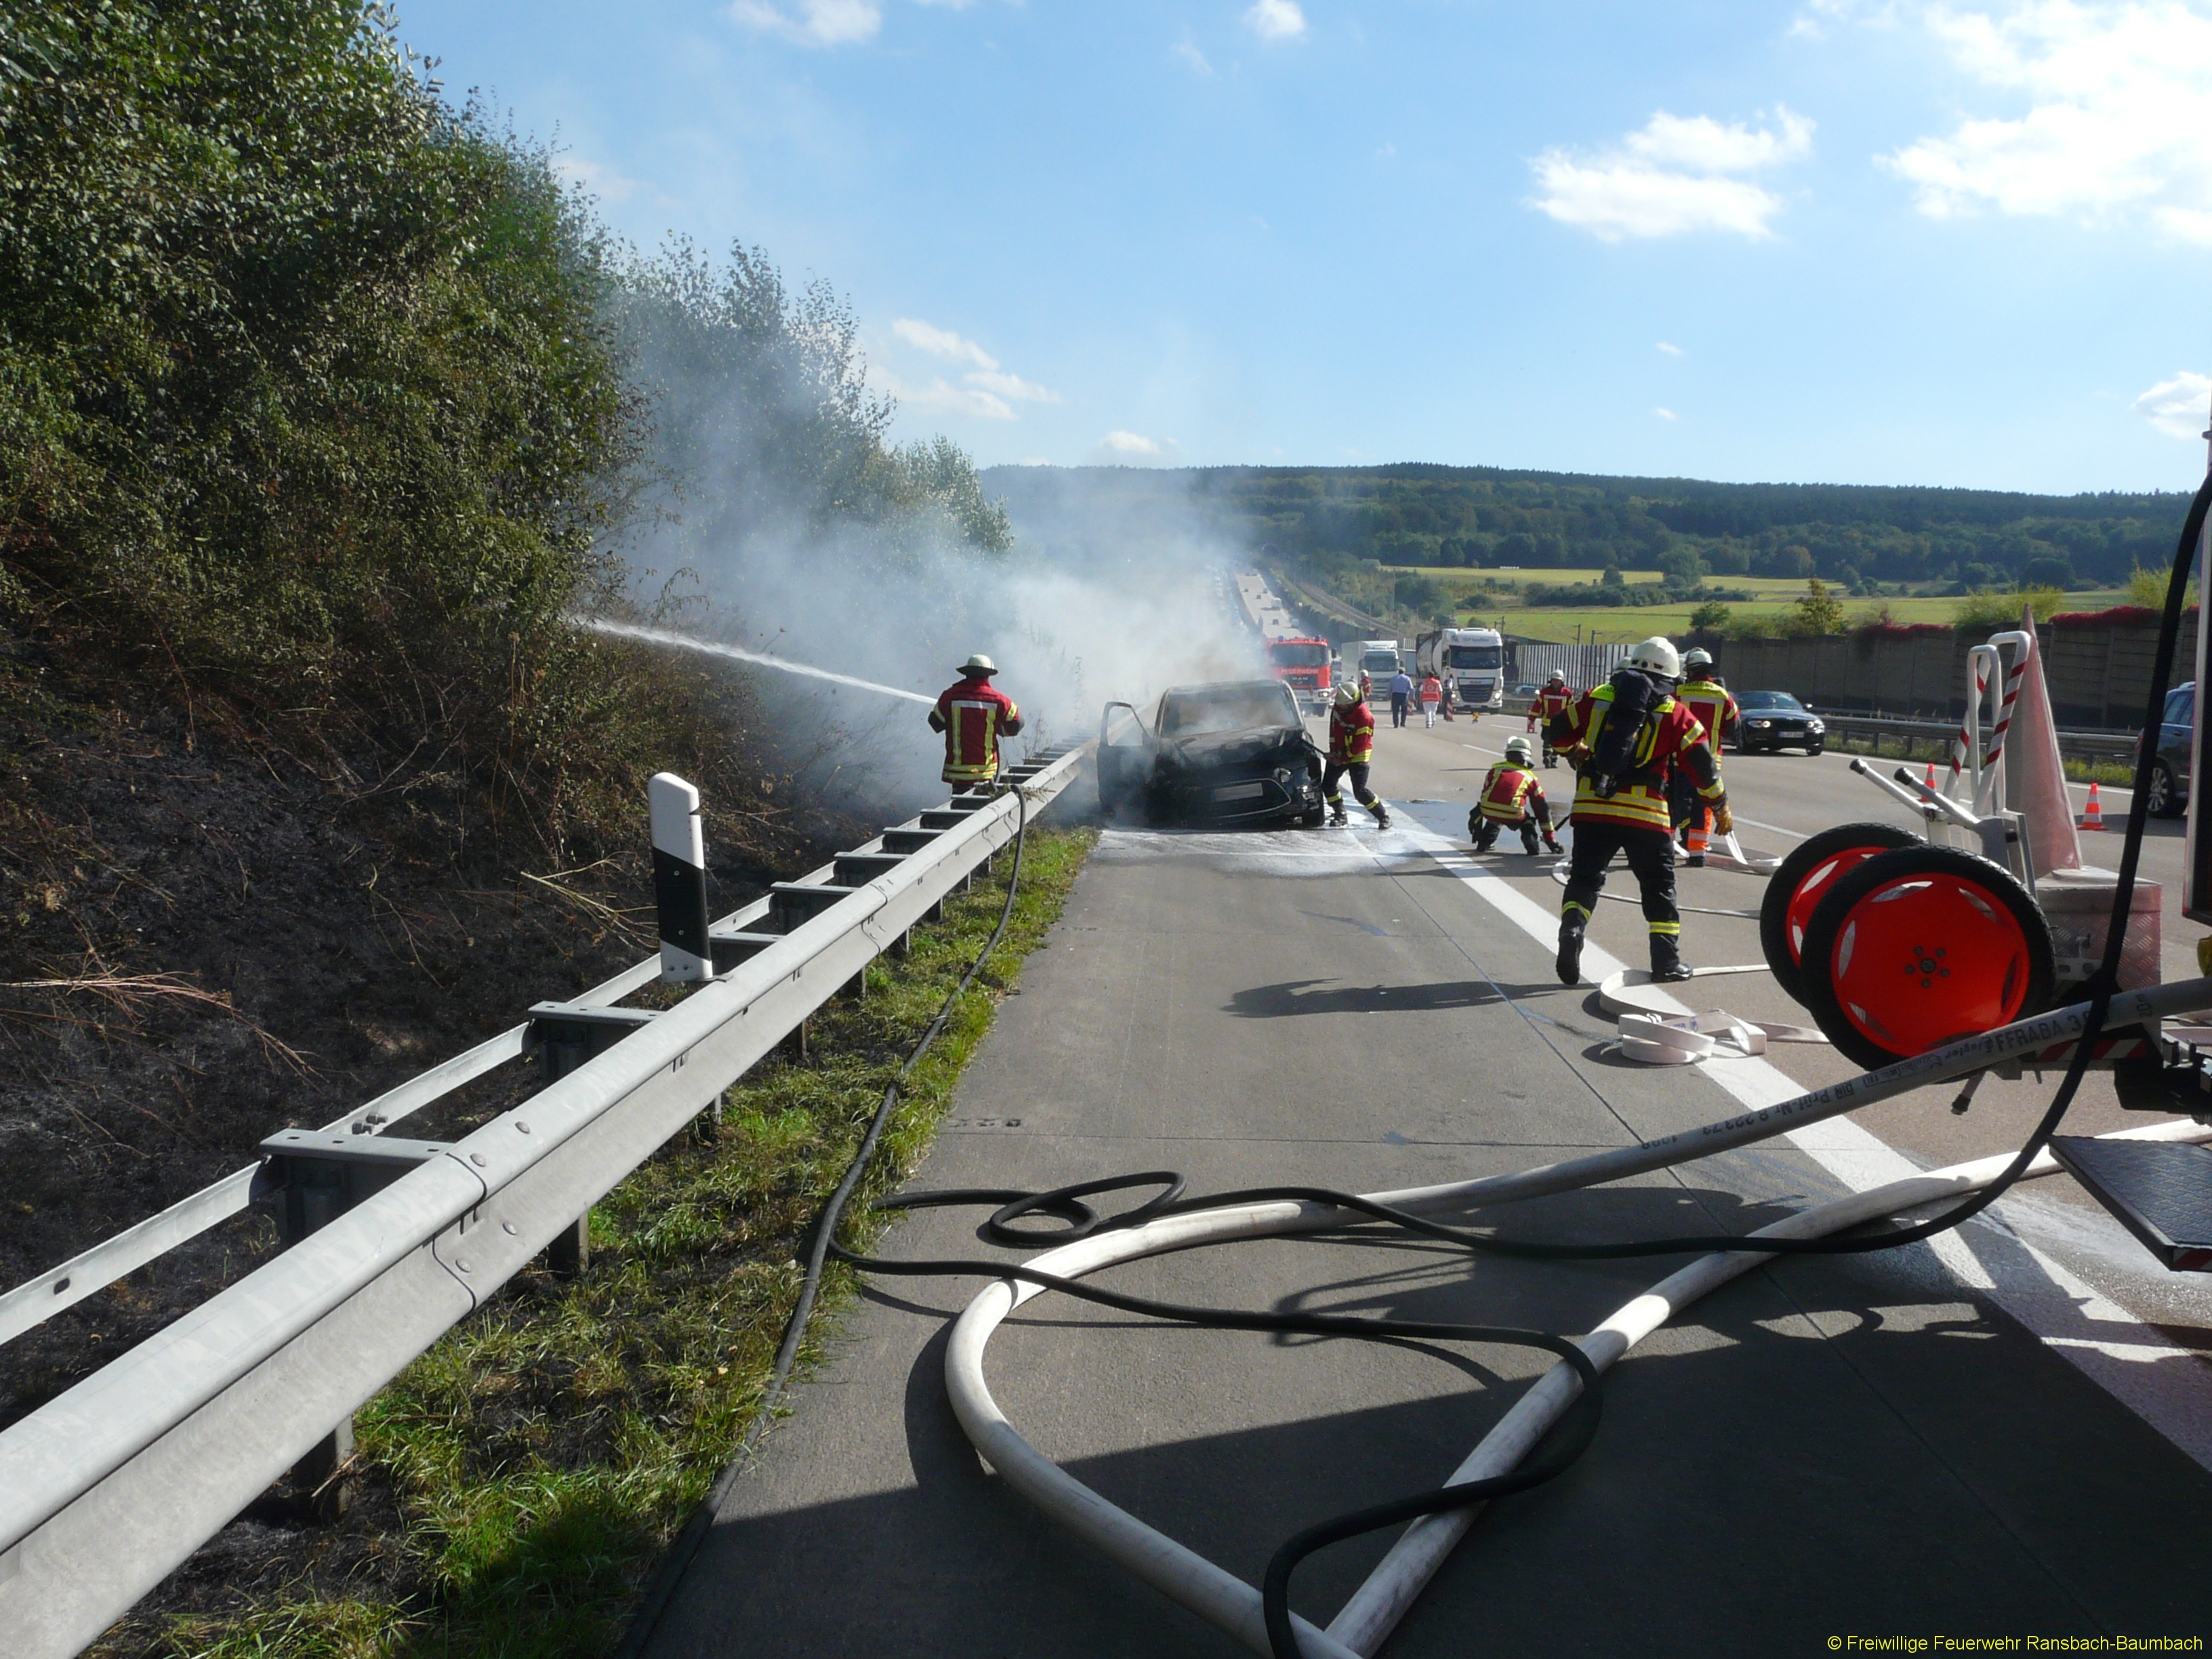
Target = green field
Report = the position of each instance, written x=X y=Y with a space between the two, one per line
x=1501 y=606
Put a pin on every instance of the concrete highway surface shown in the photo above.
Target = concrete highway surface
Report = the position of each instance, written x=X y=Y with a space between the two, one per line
x=2004 y=1433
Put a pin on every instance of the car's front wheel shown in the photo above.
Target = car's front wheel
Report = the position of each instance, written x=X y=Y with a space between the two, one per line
x=1815 y=746
x=2165 y=795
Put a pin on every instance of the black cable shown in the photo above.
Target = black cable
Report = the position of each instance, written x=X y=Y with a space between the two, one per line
x=679 y=1555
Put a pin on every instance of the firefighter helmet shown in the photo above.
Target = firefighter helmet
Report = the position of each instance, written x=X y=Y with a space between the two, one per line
x=979 y=664
x=1557 y=678
x=1699 y=658
x=1517 y=750
x=1657 y=657
x=1348 y=693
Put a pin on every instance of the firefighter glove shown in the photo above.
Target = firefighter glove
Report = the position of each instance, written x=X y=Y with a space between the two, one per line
x=1723 y=820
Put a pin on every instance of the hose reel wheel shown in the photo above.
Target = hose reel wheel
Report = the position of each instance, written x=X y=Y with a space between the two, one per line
x=1918 y=947
x=1803 y=880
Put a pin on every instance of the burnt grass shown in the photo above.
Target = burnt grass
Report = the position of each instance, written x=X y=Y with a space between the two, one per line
x=235 y=940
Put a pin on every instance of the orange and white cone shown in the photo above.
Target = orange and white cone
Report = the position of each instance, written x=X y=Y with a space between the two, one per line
x=1931 y=774
x=2093 y=817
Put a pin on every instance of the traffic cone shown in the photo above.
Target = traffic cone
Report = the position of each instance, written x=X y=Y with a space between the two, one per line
x=1931 y=774
x=2094 y=817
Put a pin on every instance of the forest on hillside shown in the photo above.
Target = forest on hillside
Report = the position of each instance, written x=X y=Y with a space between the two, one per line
x=1321 y=518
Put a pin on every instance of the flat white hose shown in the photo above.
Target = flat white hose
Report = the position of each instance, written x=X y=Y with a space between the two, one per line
x=1376 y=1606
x=1233 y=1606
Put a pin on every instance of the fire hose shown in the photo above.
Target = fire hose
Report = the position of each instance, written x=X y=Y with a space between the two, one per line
x=1556 y=1420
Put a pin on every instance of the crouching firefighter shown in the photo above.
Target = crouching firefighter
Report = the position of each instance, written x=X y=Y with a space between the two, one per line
x=1512 y=800
x=1350 y=746
x=1636 y=737
x=974 y=715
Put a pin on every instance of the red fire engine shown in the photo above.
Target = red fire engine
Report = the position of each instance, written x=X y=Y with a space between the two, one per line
x=1301 y=662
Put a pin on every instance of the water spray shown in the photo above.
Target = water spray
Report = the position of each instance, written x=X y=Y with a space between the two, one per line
x=738 y=654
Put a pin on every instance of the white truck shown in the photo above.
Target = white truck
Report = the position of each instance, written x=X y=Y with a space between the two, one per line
x=1379 y=660
x=1470 y=661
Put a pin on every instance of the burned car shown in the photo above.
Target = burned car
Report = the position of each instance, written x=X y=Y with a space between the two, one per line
x=1233 y=752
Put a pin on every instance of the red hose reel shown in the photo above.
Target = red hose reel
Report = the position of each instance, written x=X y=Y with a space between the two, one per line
x=1897 y=946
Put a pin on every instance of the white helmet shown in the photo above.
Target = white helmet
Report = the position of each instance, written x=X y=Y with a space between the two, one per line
x=1697 y=658
x=979 y=664
x=1517 y=749
x=1557 y=678
x=1657 y=657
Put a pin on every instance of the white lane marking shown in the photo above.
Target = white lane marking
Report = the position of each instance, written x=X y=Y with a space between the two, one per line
x=2055 y=1305
x=1794 y=834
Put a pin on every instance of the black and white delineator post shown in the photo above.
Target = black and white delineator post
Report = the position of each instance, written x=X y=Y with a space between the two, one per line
x=680 y=879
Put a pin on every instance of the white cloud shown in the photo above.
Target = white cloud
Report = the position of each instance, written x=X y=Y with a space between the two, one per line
x=1671 y=350
x=2178 y=406
x=2116 y=123
x=1666 y=414
x=1011 y=386
x=1188 y=52
x=984 y=391
x=1276 y=19
x=817 y=22
x=941 y=341
x=943 y=397
x=1119 y=448
x=1670 y=177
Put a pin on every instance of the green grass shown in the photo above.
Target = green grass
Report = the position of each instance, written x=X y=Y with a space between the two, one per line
x=1602 y=624
x=545 y=1451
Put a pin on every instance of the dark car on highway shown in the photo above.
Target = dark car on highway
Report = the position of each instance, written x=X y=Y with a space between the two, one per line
x=1775 y=720
x=1234 y=752
x=2169 y=772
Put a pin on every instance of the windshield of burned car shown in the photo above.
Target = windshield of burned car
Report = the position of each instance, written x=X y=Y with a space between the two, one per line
x=1780 y=702
x=1297 y=656
x=1226 y=708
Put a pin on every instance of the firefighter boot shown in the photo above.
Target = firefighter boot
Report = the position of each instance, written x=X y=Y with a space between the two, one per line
x=1382 y=816
x=1528 y=839
x=1337 y=819
x=1484 y=835
x=1570 y=947
x=1666 y=964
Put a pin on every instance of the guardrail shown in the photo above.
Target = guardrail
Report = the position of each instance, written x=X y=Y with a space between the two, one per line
x=2078 y=746
x=106 y=1488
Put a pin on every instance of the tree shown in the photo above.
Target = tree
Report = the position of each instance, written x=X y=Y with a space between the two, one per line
x=1709 y=617
x=2047 y=570
x=1681 y=566
x=1612 y=578
x=1820 y=612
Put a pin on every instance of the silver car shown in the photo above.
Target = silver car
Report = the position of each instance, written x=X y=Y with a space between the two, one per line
x=2169 y=772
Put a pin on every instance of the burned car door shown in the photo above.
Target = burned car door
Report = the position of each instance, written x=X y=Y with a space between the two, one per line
x=1125 y=755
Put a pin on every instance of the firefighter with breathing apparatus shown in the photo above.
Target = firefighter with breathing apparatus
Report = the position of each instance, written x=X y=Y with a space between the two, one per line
x=1511 y=799
x=973 y=715
x=1350 y=746
x=1554 y=700
x=1636 y=735
x=1705 y=696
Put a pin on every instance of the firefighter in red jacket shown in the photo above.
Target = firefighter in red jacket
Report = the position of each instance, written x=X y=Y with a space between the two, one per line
x=1553 y=700
x=1350 y=746
x=1704 y=695
x=973 y=715
x=1636 y=735
x=1511 y=799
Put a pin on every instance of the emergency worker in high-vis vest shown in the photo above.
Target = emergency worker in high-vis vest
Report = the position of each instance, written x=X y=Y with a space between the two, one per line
x=1620 y=799
x=1350 y=747
x=973 y=715
x=1512 y=798
x=1703 y=693
x=1548 y=704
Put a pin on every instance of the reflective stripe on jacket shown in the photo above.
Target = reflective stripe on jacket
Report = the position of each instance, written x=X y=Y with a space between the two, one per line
x=1550 y=703
x=1432 y=689
x=1509 y=794
x=1716 y=710
x=1352 y=733
x=1671 y=737
x=972 y=714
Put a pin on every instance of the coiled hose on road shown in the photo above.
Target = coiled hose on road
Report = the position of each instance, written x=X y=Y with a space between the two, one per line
x=1573 y=1432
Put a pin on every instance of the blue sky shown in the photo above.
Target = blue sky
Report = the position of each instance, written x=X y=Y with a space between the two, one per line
x=1867 y=241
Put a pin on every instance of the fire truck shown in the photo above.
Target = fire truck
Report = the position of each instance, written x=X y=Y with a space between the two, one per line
x=1301 y=662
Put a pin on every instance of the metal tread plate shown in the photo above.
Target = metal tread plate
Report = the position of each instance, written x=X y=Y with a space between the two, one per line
x=2161 y=1191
